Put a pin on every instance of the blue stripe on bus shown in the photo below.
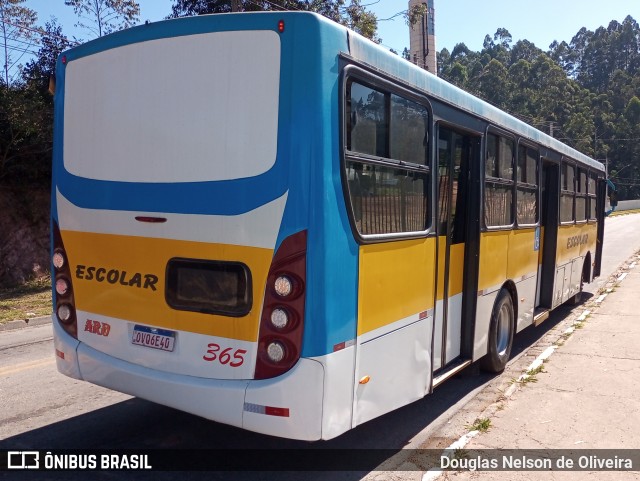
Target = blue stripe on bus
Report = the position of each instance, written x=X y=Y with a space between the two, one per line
x=314 y=123
x=180 y=198
x=308 y=141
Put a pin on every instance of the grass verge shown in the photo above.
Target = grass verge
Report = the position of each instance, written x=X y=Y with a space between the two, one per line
x=616 y=213
x=32 y=299
x=481 y=425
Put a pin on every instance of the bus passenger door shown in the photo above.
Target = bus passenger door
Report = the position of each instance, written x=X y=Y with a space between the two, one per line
x=549 y=225
x=456 y=153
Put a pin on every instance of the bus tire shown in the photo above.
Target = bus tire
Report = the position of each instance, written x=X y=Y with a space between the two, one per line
x=501 y=331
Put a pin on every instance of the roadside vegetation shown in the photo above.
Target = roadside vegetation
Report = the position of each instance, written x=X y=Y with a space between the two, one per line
x=32 y=299
x=481 y=425
x=584 y=91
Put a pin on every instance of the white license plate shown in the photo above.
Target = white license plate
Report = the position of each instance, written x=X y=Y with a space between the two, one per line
x=162 y=339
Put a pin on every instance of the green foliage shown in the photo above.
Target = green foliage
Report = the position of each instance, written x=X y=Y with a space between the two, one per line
x=101 y=17
x=415 y=14
x=353 y=14
x=586 y=92
x=26 y=116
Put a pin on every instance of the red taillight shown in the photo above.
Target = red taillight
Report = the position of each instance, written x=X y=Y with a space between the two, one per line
x=281 y=325
x=281 y=26
x=65 y=310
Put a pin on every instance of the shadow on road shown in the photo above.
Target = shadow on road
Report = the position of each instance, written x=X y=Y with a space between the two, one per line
x=140 y=425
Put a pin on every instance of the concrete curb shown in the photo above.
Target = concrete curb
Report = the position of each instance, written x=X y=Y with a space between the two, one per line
x=613 y=281
x=24 y=323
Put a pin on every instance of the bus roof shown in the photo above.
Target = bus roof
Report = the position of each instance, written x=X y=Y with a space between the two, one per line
x=361 y=49
x=366 y=51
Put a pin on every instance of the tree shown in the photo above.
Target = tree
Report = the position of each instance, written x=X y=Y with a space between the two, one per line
x=26 y=115
x=415 y=14
x=494 y=84
x=52 y=43
x=101 y=17
x=353 y=15
x=16 y=25
x=524 y=50
x=565 y=56
x=358 y=18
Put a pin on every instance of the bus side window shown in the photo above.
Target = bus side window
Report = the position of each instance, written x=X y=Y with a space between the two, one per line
x=499 y=181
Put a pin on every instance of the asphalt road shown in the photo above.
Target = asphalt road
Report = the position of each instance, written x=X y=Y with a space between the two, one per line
x=42 y=409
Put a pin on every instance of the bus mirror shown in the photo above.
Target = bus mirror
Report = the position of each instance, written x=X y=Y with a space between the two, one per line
x=613 y=198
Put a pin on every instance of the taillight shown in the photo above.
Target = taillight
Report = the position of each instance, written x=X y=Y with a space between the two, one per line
x=281 y=325
x=65 y=310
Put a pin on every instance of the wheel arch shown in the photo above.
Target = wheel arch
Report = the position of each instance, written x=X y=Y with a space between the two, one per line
x=586 y=268
x=510 y=286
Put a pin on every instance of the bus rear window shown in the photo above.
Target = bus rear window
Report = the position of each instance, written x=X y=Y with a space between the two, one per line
x=209 y=287
x=179 y=109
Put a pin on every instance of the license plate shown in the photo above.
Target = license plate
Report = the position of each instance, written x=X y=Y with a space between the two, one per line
x=155 y=338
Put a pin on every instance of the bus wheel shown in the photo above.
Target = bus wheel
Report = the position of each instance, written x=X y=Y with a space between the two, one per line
x=501 y=332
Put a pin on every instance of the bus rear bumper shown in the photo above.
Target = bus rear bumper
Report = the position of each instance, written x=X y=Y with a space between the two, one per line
x=65 y=347
x=287 y=406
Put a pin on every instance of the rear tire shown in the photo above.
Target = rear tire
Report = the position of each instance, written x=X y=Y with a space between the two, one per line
x=501 y=330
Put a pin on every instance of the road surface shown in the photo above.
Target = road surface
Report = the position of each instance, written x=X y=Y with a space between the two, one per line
x=42 y=409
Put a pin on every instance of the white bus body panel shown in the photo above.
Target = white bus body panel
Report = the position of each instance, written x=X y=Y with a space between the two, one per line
x=526 y=295
x=398 y=364
x=65 y=346
x=256 y=228
x=215 y=399
x=317 y=392
x=337 y=410
x=300 y=391
x=186 y=357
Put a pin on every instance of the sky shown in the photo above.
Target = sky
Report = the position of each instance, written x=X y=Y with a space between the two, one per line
x=467 y=21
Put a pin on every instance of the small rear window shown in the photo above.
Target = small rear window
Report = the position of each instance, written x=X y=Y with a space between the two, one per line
x=212 y=287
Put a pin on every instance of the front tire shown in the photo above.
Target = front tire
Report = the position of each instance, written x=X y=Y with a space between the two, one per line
x=501 y=330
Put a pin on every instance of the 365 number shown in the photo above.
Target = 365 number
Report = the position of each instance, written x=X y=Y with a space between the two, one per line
x=224 y=356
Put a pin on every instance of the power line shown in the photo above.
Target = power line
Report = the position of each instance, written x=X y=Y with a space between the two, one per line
x=280 y=7
x=41 y=32
x=19 y=40
x=18 y=49
x=392 y=17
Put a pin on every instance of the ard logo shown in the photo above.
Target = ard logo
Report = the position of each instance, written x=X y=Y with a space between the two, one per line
x=96 y=327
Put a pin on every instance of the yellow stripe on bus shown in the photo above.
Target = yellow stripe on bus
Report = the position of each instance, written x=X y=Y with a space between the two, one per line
x=494 y=251
x=507 y=254
x=396 y=280
x=575 y=241
x=523 y=258
x=142 y=300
